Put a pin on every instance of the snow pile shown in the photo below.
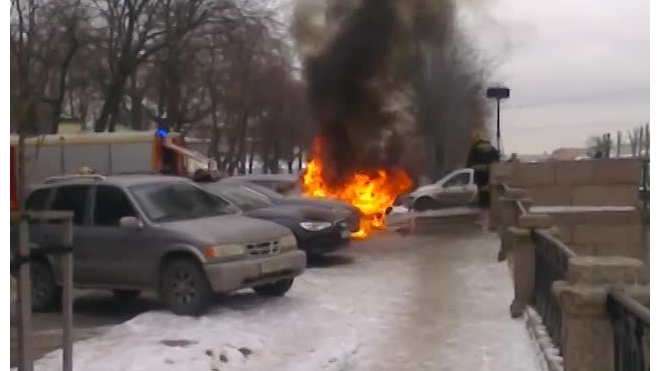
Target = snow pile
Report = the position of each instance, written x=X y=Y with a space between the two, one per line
x=320 y=325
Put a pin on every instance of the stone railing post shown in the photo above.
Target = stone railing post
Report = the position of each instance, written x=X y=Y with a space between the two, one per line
x=509 y=214
x=496 y=193
x=521 y=261
x=587 y=334
x=500 y=173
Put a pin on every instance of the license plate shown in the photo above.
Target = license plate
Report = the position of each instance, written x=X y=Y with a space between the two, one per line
x=345 y=234
x=273 y=265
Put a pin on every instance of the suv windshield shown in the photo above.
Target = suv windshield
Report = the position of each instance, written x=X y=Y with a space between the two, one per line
x=168 y=202
x=244 y=198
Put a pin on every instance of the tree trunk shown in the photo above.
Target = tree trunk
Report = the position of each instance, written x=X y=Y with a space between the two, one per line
x=300 y=158
x=277 y=152
x=251 y=158
x=241 y=137
x=55 y=118
x=107 y=120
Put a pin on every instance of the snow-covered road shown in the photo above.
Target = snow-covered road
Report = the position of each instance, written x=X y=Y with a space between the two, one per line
x=396 y=303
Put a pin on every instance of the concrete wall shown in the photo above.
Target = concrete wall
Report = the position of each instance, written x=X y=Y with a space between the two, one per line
x=593 y=203
x=599 y=231
x=602 y=182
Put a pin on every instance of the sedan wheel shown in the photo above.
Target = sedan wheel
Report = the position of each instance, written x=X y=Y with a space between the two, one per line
x=184 y=288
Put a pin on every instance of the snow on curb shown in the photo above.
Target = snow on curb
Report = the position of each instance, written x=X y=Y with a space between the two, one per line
x=552 y=361
x=157 y=340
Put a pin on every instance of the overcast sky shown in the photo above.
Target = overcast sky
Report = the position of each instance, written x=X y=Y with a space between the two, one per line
x=575 y=68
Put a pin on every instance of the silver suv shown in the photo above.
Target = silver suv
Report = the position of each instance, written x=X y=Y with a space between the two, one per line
x=152 y=232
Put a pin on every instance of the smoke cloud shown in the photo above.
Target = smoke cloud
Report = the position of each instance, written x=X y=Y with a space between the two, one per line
x=361 y=59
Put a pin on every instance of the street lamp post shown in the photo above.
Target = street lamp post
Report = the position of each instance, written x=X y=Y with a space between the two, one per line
x=498 y=93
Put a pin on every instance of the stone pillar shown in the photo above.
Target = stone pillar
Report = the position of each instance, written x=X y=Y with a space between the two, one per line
x=496 y=192
x=521 y=259
x=587 y=334
x=507 y=219
x=500 y=173
x=509 y=214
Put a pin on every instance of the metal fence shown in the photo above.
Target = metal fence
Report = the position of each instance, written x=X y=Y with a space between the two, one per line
x=22 y=254
x=645 y=184
x=551 y=258
x=631 y=324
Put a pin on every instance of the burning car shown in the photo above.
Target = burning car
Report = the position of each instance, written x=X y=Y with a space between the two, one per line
x=317 y=231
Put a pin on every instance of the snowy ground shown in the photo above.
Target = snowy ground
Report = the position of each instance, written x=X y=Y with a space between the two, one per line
x=398 y=303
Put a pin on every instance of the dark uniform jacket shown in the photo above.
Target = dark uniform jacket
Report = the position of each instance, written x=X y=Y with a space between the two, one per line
x=481 y=155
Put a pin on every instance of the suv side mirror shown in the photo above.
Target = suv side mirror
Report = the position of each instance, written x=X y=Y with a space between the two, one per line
x=130 y=222
x=388 y=210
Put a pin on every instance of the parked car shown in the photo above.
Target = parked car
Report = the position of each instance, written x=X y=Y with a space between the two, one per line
x=162 y=233
x=318 y=231
x=454 y=190
x=349 y=213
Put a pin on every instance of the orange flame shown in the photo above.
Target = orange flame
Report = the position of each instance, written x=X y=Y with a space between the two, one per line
x=371 y=194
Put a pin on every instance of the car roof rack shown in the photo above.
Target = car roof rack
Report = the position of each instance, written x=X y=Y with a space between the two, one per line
x=59 y=178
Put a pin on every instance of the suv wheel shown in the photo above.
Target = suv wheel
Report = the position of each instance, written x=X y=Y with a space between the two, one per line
x=184 y=288
x=277 y=288
x=125 y=294
x=45 y=291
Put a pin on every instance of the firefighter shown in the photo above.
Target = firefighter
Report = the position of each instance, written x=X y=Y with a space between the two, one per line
x=481 y=155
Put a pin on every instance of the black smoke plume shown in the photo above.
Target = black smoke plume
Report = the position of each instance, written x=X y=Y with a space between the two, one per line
x=363 y=62
x=346 y=103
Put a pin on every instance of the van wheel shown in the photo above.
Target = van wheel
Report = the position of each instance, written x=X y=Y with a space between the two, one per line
x=277 y=288
x=423 y=204
x=123 y=295
x=184 y=287
x=46 y=293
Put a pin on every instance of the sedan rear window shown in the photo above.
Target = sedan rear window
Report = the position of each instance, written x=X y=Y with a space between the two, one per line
x=168 y=202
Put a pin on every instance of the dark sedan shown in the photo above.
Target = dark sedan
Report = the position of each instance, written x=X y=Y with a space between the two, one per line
x=318 y=231
x=350 y=214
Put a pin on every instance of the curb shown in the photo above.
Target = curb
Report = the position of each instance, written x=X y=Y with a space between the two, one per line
x=552 y=360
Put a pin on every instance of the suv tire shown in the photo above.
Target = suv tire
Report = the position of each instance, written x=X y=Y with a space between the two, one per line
x=184 y=287
x=46 y=293
x=277 y=288
x=125 y=294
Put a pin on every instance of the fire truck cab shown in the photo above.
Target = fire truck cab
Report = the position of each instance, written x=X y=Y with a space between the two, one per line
x=106 y=153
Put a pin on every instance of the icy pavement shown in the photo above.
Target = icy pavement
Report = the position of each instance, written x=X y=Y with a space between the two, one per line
x=399 y=303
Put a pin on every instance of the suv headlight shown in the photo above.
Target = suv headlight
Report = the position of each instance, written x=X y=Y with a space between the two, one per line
x=288 y=242
x=315 y=226
x=224 y=252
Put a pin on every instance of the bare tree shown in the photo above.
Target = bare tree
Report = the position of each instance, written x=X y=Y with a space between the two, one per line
x=450 y=91
x=220 y=69
x=133 y=31
x=71 y=19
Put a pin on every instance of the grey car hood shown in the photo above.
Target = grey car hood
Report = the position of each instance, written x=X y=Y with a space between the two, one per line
x=228 y=229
